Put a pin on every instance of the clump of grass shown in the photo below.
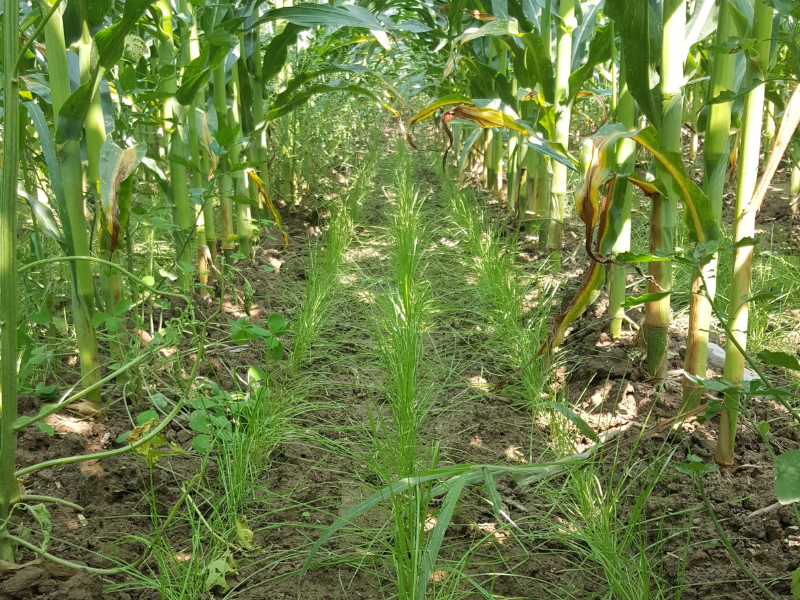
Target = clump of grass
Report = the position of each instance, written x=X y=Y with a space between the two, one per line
x=515 y=308
x=325 y=266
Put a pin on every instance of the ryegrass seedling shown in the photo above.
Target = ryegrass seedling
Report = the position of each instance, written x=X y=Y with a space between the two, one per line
x=516 y=308
x=325 y=267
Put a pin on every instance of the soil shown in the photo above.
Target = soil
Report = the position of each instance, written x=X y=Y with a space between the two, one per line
x=311 y=481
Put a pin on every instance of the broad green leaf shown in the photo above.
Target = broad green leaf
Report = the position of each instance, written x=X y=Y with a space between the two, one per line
x=632 y=301
x=694 y=464
x=780 y=359
x=437 y=535
x=787 y=482
x=113 y=324
x=277 y=324
x=698 y=203
x=276 y=52
x=632 y=18
x=44 y=217
x=312 y=15
x=796 y=584
x=217 y=571
x=599 y=52
x=575 y=419
x=116 y=165
x=495 y=28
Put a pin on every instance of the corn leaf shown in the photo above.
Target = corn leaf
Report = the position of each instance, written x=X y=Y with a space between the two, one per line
x=276 y=52
x=787 y=481
x=494 y=28
x=583 y=299
x=632 y=18
x=262 y=189
x=698 y=203
x=426 y=112
x=437 y=535
x=599 y=52
x=116 y=165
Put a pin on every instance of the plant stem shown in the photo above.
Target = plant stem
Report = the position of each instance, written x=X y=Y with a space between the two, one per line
x=744 y=227
x=9 y=488
x=715 y=162
x=662 y=220
x=625 y=156
x=565 y=27
x=221 y=106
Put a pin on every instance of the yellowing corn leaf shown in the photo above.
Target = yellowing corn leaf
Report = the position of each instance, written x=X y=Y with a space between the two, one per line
x=426 y=112
x=116 y=165
x=262 y=189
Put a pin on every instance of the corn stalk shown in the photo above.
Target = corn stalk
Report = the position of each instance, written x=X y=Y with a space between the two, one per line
x=715 y=163
x=9 y=487
x=744 y=227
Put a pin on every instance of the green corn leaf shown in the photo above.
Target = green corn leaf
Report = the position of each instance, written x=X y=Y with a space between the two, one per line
x=583 y=299
x=599 y=52
x=632 y=18
x=53 y=166
x=437 y=535
x=495 y=28
x=312 y=15
x=468 y=143
x=276 y=52
x=540 y=66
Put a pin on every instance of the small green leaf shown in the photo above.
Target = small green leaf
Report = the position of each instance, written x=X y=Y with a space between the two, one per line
x=763 y=427
x=41 y=318
x=201 y=443
x=217 y=570
x=113 y=324
x=694 y=464
x=43 y=391
x=46 y=428
x=644 y=299
x=121 y=307
x=99 y=318
x=714 y=408
x=277 y=324
x=149 y=280
x=796 y=584
x=780 y=359
x=146 y=416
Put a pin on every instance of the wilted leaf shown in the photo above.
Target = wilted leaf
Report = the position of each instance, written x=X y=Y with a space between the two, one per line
x=262 y=189
x=116 y=165
x=243 y=533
